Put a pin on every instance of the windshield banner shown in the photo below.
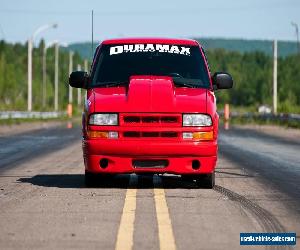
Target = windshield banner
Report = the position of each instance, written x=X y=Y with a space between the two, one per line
x=162 y=48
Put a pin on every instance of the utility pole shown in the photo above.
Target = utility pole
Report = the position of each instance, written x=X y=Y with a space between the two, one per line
x=297 y=35
x=56 y=77
x=44 y=94
x=44 y=77
x=44 y=62
x=275 y=77
x=29 y=75
x=79 y=90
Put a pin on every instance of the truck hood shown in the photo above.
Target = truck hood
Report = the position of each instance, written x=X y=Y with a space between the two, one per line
x=149 y=94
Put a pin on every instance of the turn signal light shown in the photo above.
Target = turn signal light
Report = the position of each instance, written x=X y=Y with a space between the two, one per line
x=201 y=136
x=103 y=134
x=97 y=134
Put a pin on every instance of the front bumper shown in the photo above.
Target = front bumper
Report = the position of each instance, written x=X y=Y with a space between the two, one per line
x=121 y=154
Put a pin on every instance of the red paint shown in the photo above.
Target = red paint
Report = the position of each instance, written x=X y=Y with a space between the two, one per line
x=154 y=96
x=151 y=40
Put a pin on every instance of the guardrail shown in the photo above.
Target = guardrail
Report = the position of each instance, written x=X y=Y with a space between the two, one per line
x=272 y=117
x=27 y=115
x=46 y=115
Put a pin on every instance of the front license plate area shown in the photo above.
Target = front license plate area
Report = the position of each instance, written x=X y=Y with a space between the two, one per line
x=150 y=163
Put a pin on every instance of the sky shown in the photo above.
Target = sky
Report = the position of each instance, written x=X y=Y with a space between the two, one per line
x=247 y=19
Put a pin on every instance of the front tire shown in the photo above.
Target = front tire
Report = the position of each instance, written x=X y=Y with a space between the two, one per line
x=206 y=180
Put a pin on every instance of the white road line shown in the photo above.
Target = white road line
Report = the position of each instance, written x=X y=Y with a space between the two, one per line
x=126 y=228
x=165 y=231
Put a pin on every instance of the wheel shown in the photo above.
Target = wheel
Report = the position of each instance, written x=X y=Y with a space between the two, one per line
x=206 y=180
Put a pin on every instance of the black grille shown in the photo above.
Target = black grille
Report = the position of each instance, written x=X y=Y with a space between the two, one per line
x=168 y=134
x=150 y=134
x=169 y=119
x=131 y=134
x=132 y=119
x=152 y=119
x=134 y=134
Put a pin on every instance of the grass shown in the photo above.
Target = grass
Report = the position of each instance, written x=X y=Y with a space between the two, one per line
x=256 y=119
x=254 y=108
x=262 y=121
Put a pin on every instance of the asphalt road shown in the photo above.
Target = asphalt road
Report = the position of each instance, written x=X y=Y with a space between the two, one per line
x=44 y=204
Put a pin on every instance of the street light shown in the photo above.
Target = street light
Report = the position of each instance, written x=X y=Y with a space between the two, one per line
x=56 y=76
x=297 y=34
x=30 y=45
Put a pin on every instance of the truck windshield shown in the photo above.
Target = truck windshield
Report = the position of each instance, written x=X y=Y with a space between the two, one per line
x=116 y=63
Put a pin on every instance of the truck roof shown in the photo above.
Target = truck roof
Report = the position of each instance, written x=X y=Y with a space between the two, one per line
x=151 y=40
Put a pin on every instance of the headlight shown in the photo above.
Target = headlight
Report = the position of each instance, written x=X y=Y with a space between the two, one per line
x=200 y=120
x=103 y=119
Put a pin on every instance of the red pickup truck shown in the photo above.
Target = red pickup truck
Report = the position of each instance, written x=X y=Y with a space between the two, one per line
x=150 y=108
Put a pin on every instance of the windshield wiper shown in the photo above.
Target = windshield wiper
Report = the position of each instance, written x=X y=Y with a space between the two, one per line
x=110 y=84
x=185 y=82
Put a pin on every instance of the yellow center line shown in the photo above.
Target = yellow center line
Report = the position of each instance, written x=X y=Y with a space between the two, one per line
x=126 y=228
x=165 y=231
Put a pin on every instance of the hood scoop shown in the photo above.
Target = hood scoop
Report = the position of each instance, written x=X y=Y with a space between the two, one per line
x=151 y=92
x=147 y=93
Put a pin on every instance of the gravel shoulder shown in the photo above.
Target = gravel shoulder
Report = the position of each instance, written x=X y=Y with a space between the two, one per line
x=24 y=127
x=14 y=129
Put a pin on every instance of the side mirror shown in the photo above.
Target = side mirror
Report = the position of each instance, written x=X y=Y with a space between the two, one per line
x=79 y=79
x=222 y=80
